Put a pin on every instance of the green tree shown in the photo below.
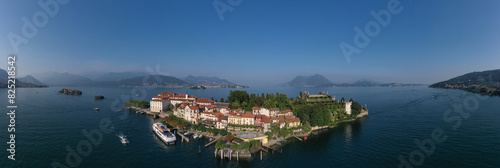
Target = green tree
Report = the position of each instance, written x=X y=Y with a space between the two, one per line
x=259 y=101
x=356 y=108
x=246 y=146
x=220 y=144
x=222 y=132
x=240 y=96
x=269 y=135
x=244 y=104
x=235 y=147
x=282 y=101
x=234 y=105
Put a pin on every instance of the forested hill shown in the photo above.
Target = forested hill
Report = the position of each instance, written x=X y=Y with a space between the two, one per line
x=486 y=82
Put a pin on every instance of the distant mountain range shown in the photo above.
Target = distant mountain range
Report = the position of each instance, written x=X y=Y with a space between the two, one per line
x=211 y=81
x=31 y=79
x=27 y=81
x=318 y=80
x=116 y=76
x=486 y=82
x=309 y=81
x=63 y=79
x=127 y=79
x=153 y=81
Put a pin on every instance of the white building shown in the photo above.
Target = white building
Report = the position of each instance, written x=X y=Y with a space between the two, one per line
x=222 y=122
x=348 y=107
x=159 y=104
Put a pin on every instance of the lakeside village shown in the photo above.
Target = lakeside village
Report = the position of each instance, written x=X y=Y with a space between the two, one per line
x=247 y=123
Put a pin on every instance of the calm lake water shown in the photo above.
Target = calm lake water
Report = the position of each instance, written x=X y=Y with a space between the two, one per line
x=48 y=124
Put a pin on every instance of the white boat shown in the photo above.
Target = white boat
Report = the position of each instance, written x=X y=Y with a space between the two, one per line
x=124 y=139
x=164 y=133
x=195 y=136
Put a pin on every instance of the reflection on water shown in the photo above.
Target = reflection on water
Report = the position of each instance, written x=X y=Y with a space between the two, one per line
x=348 y=135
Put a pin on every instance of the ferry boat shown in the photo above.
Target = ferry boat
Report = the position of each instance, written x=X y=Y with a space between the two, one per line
x=164 y=133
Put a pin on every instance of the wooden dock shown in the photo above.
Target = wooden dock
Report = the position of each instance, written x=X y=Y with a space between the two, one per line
x=211 y=143
x=269 y=148
x=298 y=138
x=184 y=138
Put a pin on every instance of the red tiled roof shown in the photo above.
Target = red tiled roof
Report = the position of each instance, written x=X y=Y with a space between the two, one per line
x=275 y=109
x=161 y=100
x=193 y=107
x=218 y=115
x=266 y=120
x=248 y=115
x=222 y=118
x=203 y=100
x=255 y=108
x=260 y=116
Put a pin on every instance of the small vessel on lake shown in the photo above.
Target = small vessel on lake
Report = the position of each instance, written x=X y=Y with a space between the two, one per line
x=196 y=136
x=123 y=139
x=96 y=109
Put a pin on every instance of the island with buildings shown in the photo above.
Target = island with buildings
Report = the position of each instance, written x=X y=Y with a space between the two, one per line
x=245 y=123
x=70 y=91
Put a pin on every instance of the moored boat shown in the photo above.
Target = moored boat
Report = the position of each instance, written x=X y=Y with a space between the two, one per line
x=164 y=133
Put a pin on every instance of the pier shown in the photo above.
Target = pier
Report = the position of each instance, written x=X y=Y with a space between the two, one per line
x=211 y=143
x=184 y=138
x=297 y=138
x=269 y=148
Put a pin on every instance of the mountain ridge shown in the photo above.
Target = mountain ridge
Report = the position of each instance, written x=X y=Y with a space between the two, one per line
x=316 y=80
x=483 y=82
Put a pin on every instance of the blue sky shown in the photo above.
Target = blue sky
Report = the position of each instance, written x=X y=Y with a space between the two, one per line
x=258 y=42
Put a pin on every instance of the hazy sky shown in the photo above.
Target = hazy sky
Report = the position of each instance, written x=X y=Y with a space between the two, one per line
x=259 y=42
